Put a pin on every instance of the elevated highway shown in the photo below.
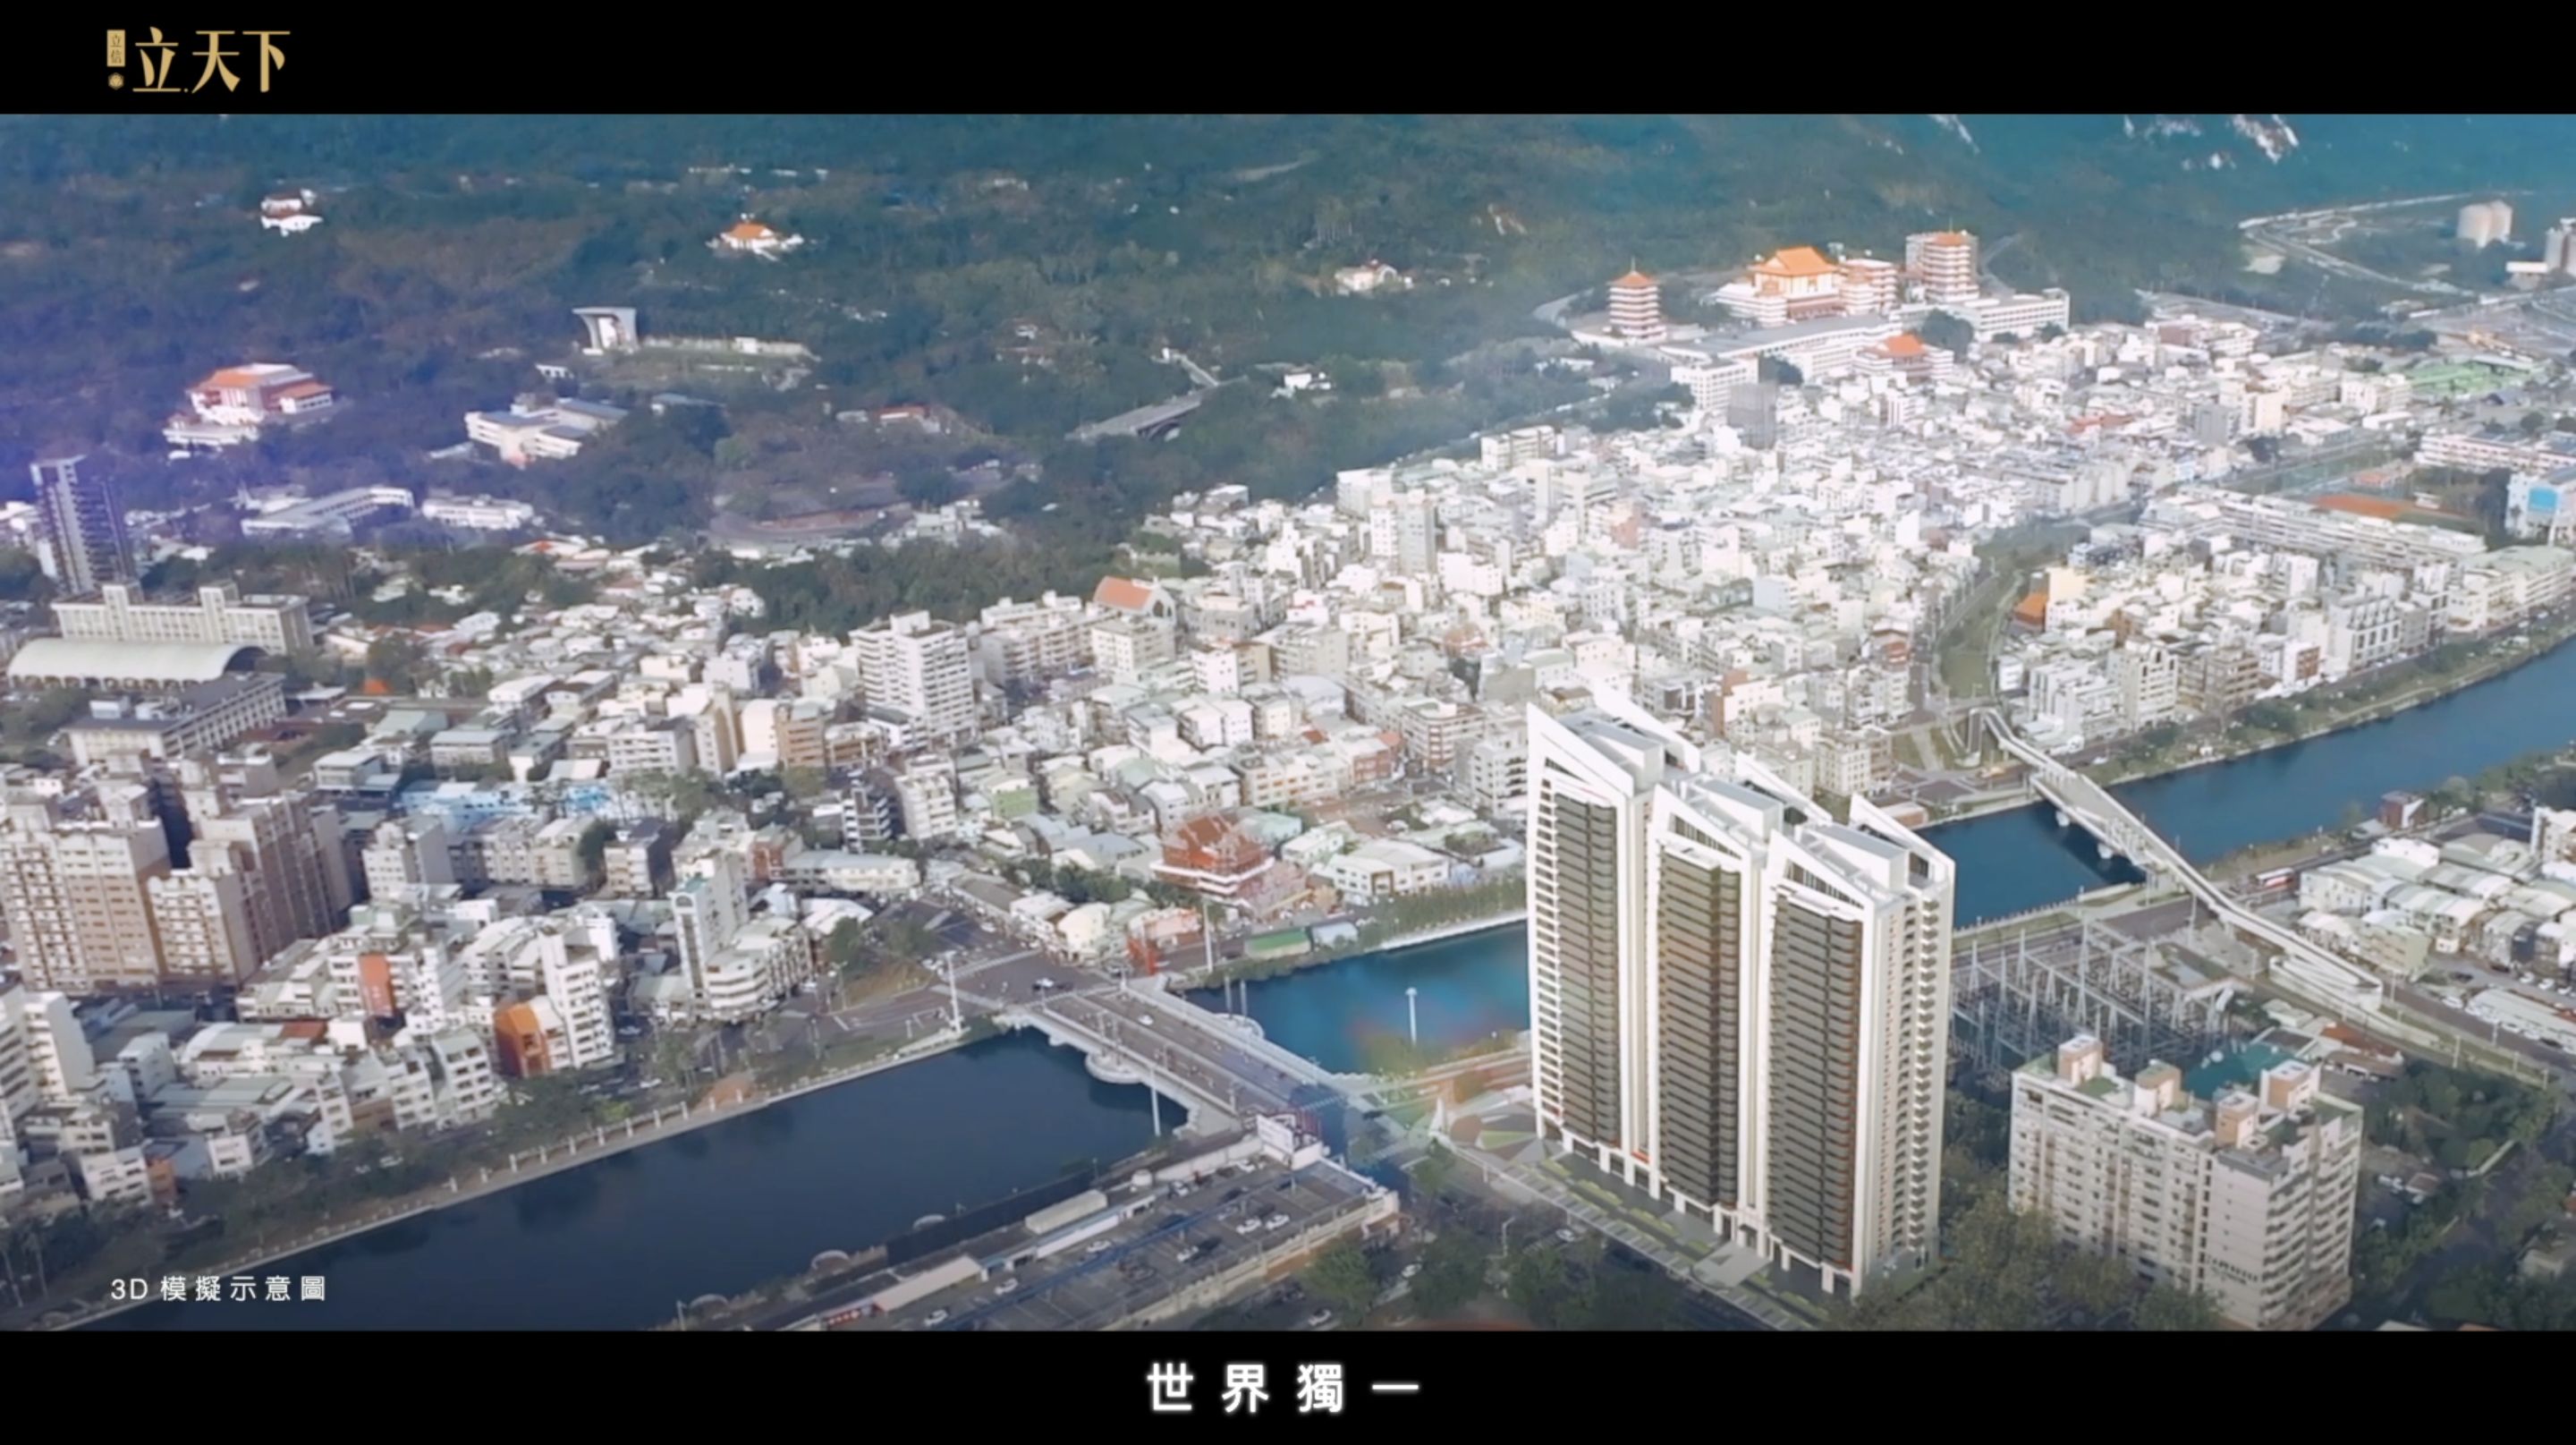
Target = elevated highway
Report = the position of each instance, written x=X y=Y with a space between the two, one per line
x=2088 y=805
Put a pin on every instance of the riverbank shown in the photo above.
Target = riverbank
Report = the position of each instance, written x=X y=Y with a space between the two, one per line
x=1254 y=970
x=2233 y=749
x=2505 y=664
x=672 y=1121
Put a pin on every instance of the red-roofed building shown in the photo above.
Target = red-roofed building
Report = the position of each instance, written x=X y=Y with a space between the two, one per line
x=1945 y=262
x=755 y=238
x=1133 y=597
x=1637 y=307
x=229 y=406
x=1216 y=857
x=1905 y=357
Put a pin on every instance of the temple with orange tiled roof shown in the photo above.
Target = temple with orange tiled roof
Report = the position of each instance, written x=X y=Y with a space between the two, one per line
x=230 y=405
x=755 y=238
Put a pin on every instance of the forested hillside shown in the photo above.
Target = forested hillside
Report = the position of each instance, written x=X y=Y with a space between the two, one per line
x=1024 y=271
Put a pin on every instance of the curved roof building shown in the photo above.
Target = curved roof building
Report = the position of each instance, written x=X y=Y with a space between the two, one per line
x=65 y=661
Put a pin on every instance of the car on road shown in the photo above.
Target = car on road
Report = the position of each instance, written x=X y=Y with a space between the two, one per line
x=1567 y=1236
x=1101 y=1246
x=1235 y=1193
x=1319 y=1319
x=1007 y=1287
x=1185 y=1254
x=1276 y=1221
x=935 y=1317
x=1146 y=1020
x=1287 y=1184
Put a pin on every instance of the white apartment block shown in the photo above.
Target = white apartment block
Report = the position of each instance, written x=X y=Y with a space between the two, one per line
x=2249 y=1199
x=660 y=745
x=203 y=916
x=1020 y=643
x=479 y=514
x=220 y=614
x=534 y=431
x=1128 y=646
x=1735 y=999
x=406 y=853
x=74 y=873
x=2024 y=315
x=919 y=671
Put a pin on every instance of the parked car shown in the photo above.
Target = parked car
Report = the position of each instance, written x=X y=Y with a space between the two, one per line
x=1276 y=1221
x=1006 y=1287
x=1410 y=1270
x=1249 y=1226
x=1101 y=1246
x=935 y=1317
x=1319 y=1319
x=1567 y=1236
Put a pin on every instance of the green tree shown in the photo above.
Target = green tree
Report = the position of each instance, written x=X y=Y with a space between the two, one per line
x=929 y=485
x=2161 y=1308
x=394 y=663
x=802 y=782
x=1950 y=333
x=1345 y=1277
x=1543 y=1287
x=2094 y=1283
x=1453 y=1273
x=1433 y=1171
x=594 y=846
x=22 y=577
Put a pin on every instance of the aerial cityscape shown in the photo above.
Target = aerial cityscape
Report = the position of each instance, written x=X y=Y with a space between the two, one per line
x=1308 y=724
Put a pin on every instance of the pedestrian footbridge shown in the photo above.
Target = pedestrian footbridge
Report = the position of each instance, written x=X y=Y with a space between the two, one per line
x=2086 y=804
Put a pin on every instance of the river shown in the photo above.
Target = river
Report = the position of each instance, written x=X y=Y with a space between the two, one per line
x=617 y=1244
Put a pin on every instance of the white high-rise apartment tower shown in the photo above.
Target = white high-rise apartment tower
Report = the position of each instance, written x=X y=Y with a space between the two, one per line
x=920 y=671
x=74 y=877
x=1736 y=1000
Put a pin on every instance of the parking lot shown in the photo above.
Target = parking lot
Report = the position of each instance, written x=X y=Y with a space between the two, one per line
x=1179 y=1240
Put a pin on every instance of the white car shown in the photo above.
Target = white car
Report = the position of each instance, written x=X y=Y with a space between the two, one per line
x=1319 y=1319
x=1411 y=1270
x=935 y=1317
x=1567 y=1235
x=1249 y=1226
x=1145 y=1020
x=1276 y=1221
x=1101 y=1246
x=1007 y=1286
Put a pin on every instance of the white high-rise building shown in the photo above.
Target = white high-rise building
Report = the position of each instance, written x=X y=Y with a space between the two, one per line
x=1736 y=1000
x=2558 y=247
x=74 y=873
x=574 y=983
x=203 y=913
x=404 y=853
x=709 y=909
x=1945 y=263
x=920 y=671
x=1404 y=532
x=85 y=543
x=2484 y=223
x=2249 y=1198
